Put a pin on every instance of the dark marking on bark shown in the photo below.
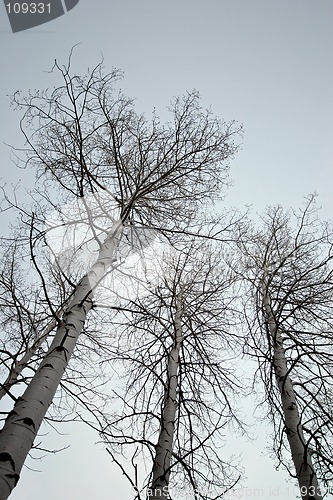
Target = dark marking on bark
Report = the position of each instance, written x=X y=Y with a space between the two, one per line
x=11 y=414
x=67 y=313
x=6 y=457
x=29 y=421
x=61 y=348
x=63 y=339
x=47 y=365
x=16 y=477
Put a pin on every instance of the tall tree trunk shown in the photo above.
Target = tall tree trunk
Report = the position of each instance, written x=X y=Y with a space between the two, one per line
x=23 y=422
x=161 y=467
x=305 y=472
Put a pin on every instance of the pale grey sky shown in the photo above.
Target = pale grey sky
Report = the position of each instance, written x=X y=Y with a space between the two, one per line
x=265 y=63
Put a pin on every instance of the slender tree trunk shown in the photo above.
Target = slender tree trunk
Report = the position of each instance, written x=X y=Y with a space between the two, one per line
x=19 y=364
x=161 y=467
x=305 y=472
x=23 y=422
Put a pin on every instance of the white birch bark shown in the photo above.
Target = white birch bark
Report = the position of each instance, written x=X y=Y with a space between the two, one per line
x=161 y=467
x=305 y=473
x=23 y=422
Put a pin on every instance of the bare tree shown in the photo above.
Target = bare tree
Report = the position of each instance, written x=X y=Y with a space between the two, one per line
x=84 y=139
x=287 y=264
x=178 y=347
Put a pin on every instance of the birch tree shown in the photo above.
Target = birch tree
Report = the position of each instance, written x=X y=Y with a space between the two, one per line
x=84 y=138
x=179 y=350
x=288 y=268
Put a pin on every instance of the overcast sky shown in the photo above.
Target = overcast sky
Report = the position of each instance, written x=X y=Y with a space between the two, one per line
x=264 y=63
